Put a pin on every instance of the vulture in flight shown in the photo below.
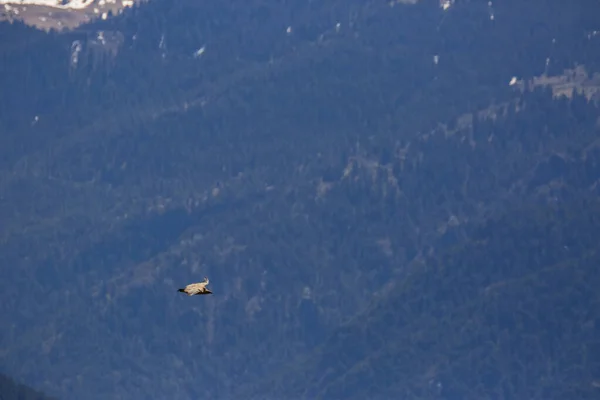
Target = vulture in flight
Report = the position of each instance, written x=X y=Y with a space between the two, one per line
x=196 y=288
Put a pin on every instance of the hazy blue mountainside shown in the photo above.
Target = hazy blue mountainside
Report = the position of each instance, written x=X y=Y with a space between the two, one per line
x=509 y=314
x=319 y=178
x=146 y=66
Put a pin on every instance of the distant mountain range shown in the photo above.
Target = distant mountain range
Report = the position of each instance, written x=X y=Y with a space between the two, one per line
x=391 y=200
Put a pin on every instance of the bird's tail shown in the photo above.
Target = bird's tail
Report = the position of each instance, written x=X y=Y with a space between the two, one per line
x=181 y=290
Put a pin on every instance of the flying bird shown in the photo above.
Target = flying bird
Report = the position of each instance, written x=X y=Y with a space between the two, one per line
x=196 y=288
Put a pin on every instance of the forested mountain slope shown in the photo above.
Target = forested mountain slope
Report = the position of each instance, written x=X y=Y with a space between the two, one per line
x=302 y=172
x=510 y=313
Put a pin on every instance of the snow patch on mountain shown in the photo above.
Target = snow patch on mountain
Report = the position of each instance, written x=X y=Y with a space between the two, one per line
x=60 y=14
x=62 y=4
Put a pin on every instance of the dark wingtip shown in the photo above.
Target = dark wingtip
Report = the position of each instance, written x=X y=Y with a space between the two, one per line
x=180 y=290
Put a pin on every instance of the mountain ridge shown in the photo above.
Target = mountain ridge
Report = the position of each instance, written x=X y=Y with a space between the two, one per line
x=290 y=186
